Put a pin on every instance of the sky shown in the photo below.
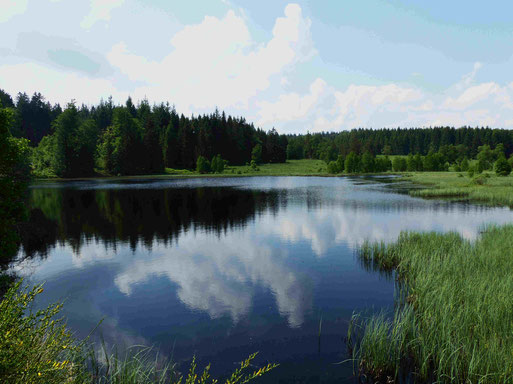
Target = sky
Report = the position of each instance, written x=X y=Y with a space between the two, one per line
x=307 y=66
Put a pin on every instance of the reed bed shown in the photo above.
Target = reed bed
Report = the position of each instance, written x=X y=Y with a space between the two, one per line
x=486 y=188
x=453 y=321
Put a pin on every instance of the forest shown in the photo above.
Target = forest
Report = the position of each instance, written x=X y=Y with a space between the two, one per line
x=129 y=139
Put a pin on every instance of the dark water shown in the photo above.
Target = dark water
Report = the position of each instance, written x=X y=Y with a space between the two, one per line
x=221 y=268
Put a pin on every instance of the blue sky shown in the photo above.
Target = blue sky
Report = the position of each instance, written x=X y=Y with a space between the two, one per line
x=301 y=66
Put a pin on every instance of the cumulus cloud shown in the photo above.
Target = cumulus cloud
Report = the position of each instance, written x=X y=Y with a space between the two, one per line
x=291 y=106
x=218 y=62
x=198 y=73
x=392 y=105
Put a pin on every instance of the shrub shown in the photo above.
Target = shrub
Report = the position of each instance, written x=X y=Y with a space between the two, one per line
x=202 y=165
x=333 y=167
x=399 y=164
x=217 y=164
x=35 y=347
x=38 y=348
x=502 y=167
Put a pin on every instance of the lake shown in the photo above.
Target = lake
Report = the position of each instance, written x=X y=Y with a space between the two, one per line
x=223 y=267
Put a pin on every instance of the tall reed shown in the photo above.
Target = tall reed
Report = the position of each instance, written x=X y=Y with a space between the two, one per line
x=453 y=320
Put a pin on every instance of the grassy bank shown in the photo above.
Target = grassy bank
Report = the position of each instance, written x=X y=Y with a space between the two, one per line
x=486 y=188
x=37 y=347
x=305 y=167
x=453 y=320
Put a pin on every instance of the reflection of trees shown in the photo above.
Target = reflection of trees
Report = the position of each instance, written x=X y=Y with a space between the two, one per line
x=75 y=216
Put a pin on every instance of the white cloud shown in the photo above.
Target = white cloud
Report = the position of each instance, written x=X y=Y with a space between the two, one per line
x=100 y=10
x=198 y=73
x=472 y=95
x=392 y=105
x=32 y=77
x=291 y=106
x=11 y=8
x=217 y=62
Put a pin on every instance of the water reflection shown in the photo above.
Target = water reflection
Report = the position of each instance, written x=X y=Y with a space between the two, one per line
x=224 y=267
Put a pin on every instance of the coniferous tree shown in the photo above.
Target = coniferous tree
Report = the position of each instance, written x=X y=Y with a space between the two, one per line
x=66 y=142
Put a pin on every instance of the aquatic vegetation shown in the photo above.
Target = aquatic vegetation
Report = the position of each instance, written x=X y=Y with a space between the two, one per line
x=38 y=348
x=453 y=320
x=486 y=188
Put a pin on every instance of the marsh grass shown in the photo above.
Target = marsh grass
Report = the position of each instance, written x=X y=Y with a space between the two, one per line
x=37 y=347
x=486 y=188
x=453 y=320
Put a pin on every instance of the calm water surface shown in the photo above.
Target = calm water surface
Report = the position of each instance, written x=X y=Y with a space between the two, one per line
x=224 y=267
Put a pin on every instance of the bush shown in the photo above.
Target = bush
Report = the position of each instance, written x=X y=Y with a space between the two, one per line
x=502 y=167
x=399 y=164
x=202 y=165
x=333 y=167
x=38 y=348
x=217 y=164
x=35 y=347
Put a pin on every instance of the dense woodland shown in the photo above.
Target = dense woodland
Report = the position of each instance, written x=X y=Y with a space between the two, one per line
x=136 y=139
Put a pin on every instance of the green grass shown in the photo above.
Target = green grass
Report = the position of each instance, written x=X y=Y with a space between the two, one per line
x=487 y=188
x=453 y=320
x=305 y=167
x=39 y=348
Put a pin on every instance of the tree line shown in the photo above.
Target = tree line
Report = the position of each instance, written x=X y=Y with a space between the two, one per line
x=137 y=139
x=447 y=158
x=400 y=141
x=132 y=139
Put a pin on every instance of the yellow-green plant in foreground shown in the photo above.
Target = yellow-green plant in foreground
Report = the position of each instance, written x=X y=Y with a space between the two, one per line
x=453 y=321
x=38 y=348
x=35 y=347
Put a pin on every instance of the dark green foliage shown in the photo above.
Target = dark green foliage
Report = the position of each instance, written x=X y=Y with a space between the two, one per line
x=121 y=150
x=43 y=157
x=414 y=163
x=134 y=139
x=153 y=161
x=484 y=158
x=217 y=164
x=352 y=163
x=74 y=144
x=6 y=99
x=165 y=139
x=14 y=173
x=295 y=150
x=453 y=143
x=33 y=117
x=502 y=167
x=368 y=163
x=382 y=164
x=202 y=165
x=333 y=167
x=399 y=164
x=464 y=165
x=434 y=162
x=256 y=154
